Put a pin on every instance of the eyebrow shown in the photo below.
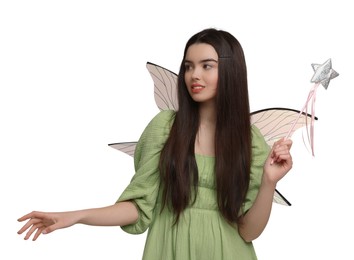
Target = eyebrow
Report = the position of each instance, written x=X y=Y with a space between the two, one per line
x=205 y=60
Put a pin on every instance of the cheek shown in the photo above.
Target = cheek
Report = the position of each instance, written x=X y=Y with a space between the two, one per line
x=186 y=81
x=215 y=82
x=186 y=77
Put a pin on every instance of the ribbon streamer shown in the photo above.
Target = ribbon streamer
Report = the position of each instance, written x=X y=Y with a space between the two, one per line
x=323 y=73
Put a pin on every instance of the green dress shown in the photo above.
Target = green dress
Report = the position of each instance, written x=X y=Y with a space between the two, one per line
x=201 y=233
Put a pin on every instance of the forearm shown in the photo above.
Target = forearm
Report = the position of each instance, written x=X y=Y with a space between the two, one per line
x=256 y=219
x=119 y=214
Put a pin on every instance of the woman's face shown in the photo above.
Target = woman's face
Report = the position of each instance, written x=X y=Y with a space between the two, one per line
x=201 y=72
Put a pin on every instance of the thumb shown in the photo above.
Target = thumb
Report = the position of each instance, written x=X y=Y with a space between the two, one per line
x=50 y=228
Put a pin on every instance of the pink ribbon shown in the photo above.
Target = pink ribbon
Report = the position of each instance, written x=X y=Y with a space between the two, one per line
x=311 y=97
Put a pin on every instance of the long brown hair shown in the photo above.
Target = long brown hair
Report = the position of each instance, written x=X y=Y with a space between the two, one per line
x=178 y=168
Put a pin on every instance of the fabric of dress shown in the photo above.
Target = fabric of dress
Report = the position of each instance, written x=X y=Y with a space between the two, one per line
x=201 y=233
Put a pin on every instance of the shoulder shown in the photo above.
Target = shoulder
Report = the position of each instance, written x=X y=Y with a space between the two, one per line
x=161 y=122
x=154 y=136
x=255 y=132
x=159 y=127
x=163 y=117
x=259 y=144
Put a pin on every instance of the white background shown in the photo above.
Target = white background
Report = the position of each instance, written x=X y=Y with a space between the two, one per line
x=73 y=79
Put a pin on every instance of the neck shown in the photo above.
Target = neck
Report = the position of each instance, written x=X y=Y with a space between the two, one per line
x=207 y=113
x=205 y=139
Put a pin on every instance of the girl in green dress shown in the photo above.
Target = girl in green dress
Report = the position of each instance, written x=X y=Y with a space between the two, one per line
x=205 y=177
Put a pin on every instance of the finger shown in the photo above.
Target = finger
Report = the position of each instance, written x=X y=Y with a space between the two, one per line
x=38 y=233
x=283 y=158
x=283 y=155
x=25 y=217
x=284 y=146
x=288 y=143
x=33 y=214
x=283 y=141
x=272 y=152
x=280 y=154
x=28 y=225
x=31 y=230
x=34 y=228
x=285 y=161
x=281 y=151
x=51 y=228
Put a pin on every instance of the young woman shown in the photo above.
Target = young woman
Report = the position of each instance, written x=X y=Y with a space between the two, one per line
x=205 y=178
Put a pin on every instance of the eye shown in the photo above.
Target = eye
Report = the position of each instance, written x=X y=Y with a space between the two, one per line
x=187 y=66
x=207 y=66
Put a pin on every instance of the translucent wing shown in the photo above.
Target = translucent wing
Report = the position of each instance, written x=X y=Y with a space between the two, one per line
x=280 y=199
x=276 y=122
x=165 y=93
x=126 y=147
x=165 y=87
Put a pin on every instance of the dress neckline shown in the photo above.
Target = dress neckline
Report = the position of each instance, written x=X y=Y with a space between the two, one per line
x=205 y=156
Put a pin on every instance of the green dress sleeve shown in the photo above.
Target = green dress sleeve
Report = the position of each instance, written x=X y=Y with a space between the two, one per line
x=260 y=151
x=144 y=186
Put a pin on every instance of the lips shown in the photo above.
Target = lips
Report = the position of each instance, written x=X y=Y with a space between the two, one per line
x=196 y=88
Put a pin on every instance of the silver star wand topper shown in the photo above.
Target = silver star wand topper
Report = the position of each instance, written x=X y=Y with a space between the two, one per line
x=322 y=76
x=323 y=73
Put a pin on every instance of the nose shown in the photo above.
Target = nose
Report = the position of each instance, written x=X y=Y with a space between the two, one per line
x=196 y=73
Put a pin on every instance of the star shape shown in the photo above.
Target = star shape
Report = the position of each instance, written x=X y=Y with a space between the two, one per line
x=323 y=73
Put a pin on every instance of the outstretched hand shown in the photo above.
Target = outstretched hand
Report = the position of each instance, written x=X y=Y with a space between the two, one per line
x=279 y=161
x=44 y=223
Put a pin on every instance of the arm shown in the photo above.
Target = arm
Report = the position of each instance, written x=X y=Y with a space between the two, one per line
x=278 y=163
x=119 y=214
x=134 y=217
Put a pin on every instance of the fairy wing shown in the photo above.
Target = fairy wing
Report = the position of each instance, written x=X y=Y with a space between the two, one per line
x=280 y=199
x=125 y=147
x=273 y=123
x=165 y=87
x=165 y=94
